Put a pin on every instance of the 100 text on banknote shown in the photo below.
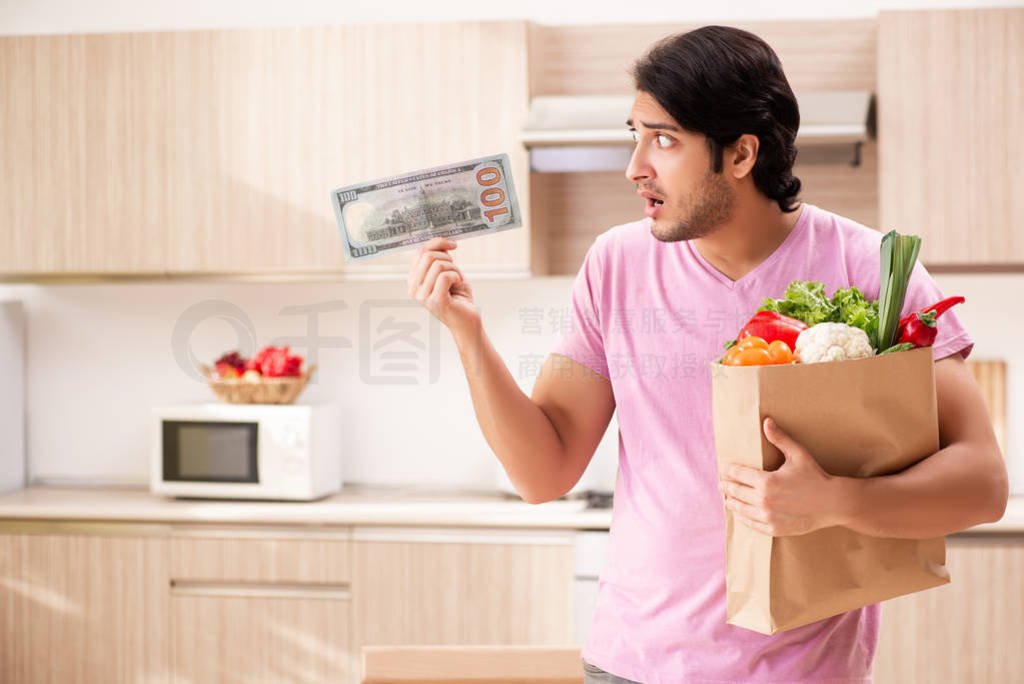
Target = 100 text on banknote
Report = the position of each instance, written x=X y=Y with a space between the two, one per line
x=473 y=197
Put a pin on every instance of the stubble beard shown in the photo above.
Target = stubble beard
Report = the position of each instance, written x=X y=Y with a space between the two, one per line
x=715 y=203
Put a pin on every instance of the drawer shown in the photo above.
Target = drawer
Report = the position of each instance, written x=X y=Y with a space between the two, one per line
x=261 y=554
x=260 y=639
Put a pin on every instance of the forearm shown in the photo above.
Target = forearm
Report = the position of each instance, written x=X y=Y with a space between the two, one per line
x=517 y=430
x=945 y=493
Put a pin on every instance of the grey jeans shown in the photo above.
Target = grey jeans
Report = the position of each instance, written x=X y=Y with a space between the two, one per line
x=592 y=674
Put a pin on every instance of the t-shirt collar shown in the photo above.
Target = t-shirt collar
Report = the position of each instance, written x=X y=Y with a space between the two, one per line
x=778 y=253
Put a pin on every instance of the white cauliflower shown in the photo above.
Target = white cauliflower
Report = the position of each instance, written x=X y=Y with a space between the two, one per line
x=832 y=342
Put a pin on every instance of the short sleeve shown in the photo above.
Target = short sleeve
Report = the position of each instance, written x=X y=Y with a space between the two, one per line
x=952 y=337
x=581 y=337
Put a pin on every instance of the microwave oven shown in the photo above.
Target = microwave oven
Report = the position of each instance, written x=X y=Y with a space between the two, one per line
x=246 y=451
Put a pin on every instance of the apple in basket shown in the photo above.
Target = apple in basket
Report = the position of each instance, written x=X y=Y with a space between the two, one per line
x=269 y=362
x=273 y=375
x=229 y=366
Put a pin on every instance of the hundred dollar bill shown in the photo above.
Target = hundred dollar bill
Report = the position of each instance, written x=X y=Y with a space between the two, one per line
x=474 y=197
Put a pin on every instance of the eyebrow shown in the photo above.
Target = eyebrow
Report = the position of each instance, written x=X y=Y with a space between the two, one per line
x=665 y=126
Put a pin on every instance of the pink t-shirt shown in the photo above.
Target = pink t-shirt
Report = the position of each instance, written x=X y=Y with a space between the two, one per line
x=651 y=316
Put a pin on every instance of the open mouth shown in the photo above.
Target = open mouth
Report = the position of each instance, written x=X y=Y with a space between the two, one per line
x=652 y=207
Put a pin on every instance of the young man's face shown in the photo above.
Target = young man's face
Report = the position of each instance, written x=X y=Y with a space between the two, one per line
x=674 y=165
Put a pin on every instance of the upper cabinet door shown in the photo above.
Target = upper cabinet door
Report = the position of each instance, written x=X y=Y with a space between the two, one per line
x=82 y=155
x=950 y=115
x=268 y=122
x=216 y=151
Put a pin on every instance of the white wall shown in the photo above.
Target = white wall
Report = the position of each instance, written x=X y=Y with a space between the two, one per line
x=100 y=356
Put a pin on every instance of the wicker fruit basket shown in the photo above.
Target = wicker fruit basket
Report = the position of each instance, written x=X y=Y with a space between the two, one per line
x=280 y=390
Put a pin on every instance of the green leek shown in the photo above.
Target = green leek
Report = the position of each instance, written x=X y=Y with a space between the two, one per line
x=897 y=257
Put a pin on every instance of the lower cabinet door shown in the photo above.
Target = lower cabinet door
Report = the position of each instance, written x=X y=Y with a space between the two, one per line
x=236 y=633
x=461 y=587
x=82 y=603
x=970 y=630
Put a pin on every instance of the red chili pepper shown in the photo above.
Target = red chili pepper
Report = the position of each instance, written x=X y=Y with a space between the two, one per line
x=919 y=329
x=938 y=308
x=771 y=326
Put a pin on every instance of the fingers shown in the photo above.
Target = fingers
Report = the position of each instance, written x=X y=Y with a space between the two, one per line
x=419 y=269
x=462 y=287
x=437 y=269
x=738 y=492
x=439 y=243
x=443 y=285
x=430 y=252
x=746 y=510
x=776 y=436
x=423 y=261
x=751 y=477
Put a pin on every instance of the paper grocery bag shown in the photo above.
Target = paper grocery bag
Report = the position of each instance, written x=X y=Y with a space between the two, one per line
x=858 y=418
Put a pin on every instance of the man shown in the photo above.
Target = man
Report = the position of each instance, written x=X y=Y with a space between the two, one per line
x=714 y=121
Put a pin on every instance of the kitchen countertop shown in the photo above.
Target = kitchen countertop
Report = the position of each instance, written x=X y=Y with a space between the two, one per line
x=353 y=505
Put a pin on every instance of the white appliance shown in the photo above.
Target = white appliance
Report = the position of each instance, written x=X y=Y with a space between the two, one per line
x=246 y=451
x=585 y=132
x=591 y=548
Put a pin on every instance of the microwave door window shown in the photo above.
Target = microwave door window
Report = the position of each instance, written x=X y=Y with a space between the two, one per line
x=210 y=452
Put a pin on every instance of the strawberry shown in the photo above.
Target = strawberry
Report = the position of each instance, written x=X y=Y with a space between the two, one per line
x=258 y=360
x=275 y=362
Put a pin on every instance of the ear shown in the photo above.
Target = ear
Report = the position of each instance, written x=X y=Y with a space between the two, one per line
x=741 y=155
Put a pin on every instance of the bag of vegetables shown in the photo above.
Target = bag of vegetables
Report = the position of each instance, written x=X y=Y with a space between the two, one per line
x=855 y=385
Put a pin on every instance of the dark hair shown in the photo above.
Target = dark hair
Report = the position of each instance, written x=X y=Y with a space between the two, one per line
x=723 y=82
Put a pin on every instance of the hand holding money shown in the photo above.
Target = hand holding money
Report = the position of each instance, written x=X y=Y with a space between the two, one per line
x=439 y=285
x=468 y=198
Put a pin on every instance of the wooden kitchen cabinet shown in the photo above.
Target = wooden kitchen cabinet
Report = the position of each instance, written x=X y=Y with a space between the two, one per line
x=129 y=602
x=469 y=587
x=83 y=154
x=124 y=602
x=215 y=151
x=950 y=114
x=83 y=603
x=970 y=630
x=260 y=635
x=260 y=604
x=271 y=120
x=261 y=554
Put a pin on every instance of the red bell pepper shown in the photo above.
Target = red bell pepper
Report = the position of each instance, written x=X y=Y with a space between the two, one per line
x=919 y=329
x=771 y=326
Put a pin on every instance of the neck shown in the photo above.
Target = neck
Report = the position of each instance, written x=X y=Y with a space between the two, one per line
x=755 y=230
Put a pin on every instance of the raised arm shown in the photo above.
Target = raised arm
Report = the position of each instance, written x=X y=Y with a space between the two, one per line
x=544 y=442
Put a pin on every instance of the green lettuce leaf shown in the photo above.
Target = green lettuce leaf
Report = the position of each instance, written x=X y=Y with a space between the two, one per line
x=854 y=310
x=804 y=301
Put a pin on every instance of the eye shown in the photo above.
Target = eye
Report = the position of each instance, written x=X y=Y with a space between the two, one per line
x=664 y=140
x=632 y=132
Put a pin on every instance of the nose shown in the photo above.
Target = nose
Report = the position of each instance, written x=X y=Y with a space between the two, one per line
x=638 y=167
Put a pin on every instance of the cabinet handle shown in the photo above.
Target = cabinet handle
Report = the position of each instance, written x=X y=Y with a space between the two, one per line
x=259 y=590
